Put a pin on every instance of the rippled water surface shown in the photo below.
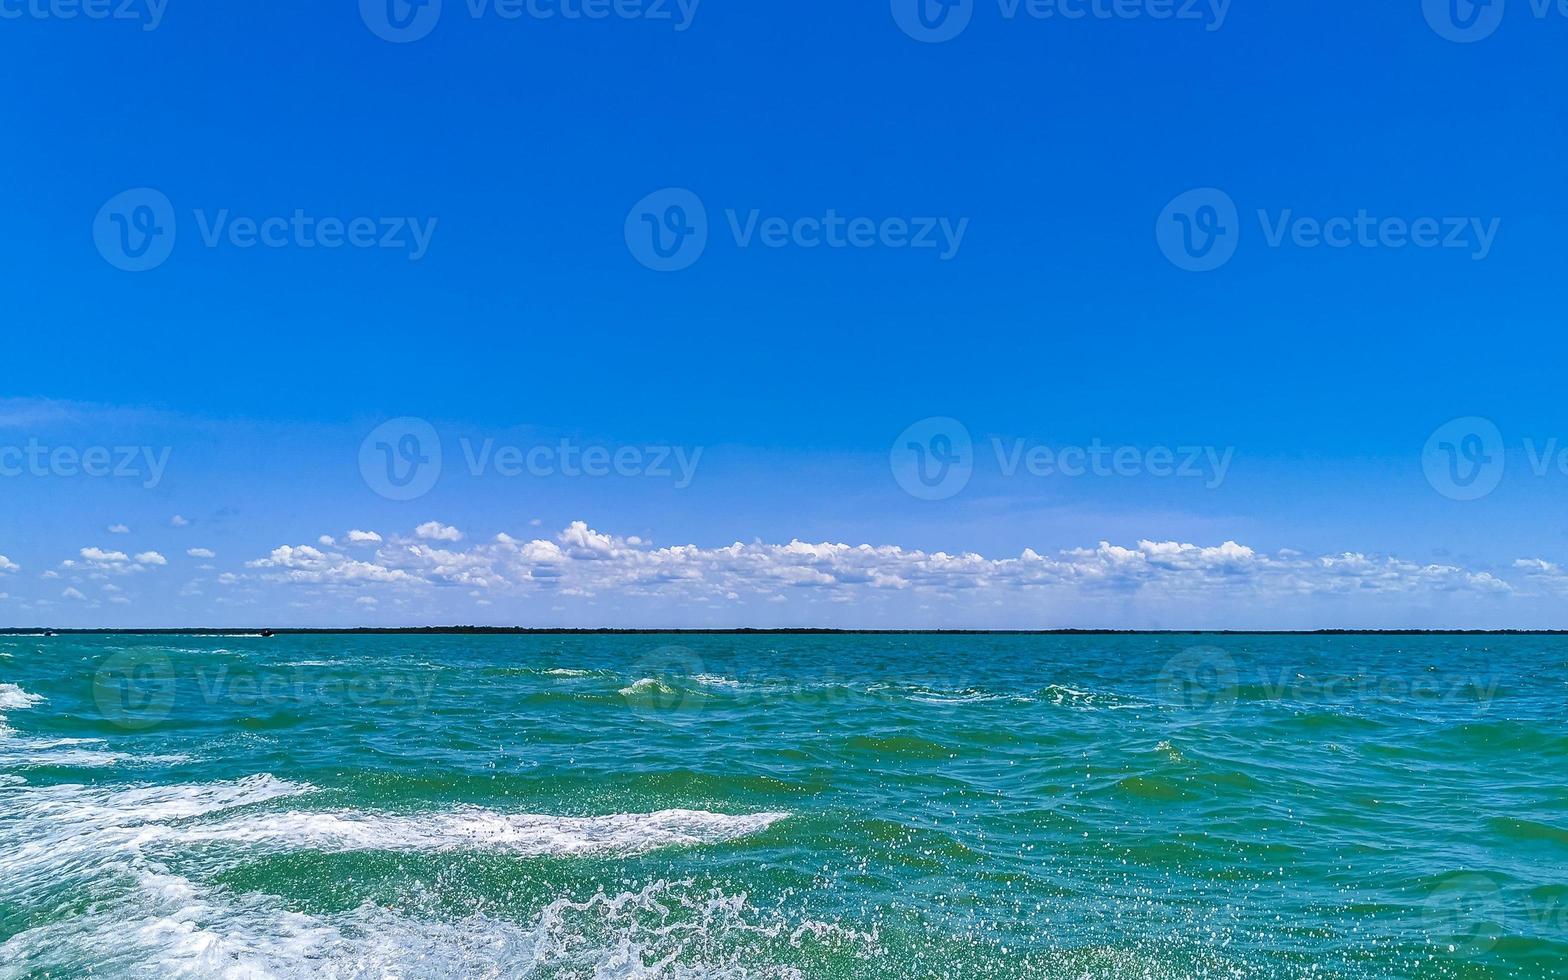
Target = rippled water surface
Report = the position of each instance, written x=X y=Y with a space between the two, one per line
x=784 y=806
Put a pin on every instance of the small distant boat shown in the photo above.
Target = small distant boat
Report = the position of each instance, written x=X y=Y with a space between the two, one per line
x=50 y=633
x=267 y=634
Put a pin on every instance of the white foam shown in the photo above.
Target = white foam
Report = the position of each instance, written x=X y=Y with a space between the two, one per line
x=972 y=697
x=921 y=694
x=13 y=698
x=145 y=919
x=43 y=808
x=35 y=754
x=646 y=686
x=70 y=834
x=523 y=834
x=174 y=927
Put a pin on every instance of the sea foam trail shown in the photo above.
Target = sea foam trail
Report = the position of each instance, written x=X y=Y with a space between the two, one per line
x=93 y=806
x=524 y=834
x=149 y=920
x=75 y=834
x=172 y=927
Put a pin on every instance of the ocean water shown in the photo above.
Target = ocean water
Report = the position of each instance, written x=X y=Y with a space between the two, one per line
x=867 y=806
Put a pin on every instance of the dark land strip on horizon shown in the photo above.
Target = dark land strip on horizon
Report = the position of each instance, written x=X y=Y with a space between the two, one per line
x=739 y=631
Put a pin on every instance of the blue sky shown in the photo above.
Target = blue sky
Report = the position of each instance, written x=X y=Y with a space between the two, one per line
x=1010 y=204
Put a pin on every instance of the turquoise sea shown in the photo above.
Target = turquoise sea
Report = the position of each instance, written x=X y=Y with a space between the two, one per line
x=867 y=806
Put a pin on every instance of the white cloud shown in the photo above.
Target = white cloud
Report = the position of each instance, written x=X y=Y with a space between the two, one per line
x=7 y=565
x=304 y=563
x=436 y=531
x=586 y=563
x=326 y=541
x=100 y=560
x=73 y=593
x=100 y=555
x=179 y=521
x=119 y=529
x=1550 y=576
x=362 y=537
x=1538 y=566
x=201 y=553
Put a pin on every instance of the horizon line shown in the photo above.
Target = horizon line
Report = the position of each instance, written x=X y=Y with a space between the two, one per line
x=738 y=630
